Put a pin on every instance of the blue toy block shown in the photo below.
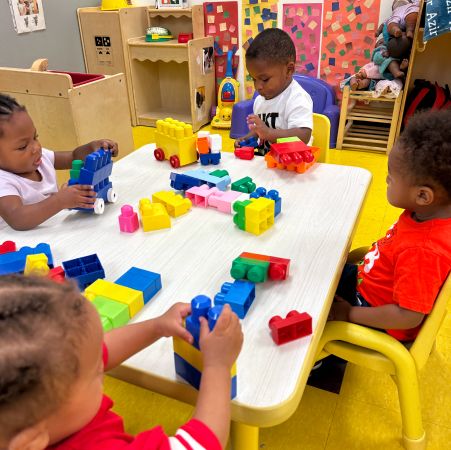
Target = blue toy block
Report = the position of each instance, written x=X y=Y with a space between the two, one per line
x=251 y=142
x=14 y=262
x=212 y=181
x=84 y=270
x=149 y=283
x=272 y=194
x=182 y=182
x=209 y=158
x=239 y=295
x=200 y=305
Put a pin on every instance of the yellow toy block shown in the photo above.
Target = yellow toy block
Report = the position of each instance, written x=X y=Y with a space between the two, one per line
x=131 y=297
x=176 y=142
x=174 y=203
x=259 y=215
x=192 y=355
x=153 y=215
x=37 y=265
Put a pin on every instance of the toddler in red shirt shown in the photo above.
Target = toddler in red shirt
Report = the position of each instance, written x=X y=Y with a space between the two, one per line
x=396 y=284
x=53 y=356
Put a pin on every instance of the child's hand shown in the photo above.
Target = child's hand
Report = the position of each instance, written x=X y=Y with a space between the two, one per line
x=259 y=128
x=236 y=144
x=76 y=196
x=171 y=322
x=221 y=346
x=106 y=144
x=340 y=309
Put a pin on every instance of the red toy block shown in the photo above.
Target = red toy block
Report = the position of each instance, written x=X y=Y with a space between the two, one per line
x=7 y=247
x=57 y=274
x=294 y=326
x=184 y=38
x=128 y=219
x=244 y=152
x=278 y=267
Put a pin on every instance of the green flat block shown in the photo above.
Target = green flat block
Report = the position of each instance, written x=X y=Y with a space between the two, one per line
x=249 y=269
x=117 y=313
x=106 y=324
x=219 y=173
x=288 y=139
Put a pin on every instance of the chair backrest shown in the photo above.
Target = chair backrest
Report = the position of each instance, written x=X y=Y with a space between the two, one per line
x=423 y=344
x=321 y=135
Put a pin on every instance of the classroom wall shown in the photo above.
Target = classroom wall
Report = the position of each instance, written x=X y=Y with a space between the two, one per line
x=60 y=42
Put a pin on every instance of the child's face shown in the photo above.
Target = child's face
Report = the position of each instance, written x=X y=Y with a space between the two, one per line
x=270 y=79
x=20 y=150
x=85 y=396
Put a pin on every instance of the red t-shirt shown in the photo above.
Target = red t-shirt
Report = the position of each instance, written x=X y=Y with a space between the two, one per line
x=106 y=432
x=407 y=267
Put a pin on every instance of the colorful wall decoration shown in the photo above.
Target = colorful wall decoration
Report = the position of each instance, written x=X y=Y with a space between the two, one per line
x=221 y=22
x=302 y=21
x=257 y=16
x=348 y=37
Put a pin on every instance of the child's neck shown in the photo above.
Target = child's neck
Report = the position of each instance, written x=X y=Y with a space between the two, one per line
x=434 y=212
x=33 y=176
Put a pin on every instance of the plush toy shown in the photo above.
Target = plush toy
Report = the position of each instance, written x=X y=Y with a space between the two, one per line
x=403 y=18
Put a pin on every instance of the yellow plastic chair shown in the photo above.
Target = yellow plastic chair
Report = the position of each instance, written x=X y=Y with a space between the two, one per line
x=381 y=352
x=321 y=135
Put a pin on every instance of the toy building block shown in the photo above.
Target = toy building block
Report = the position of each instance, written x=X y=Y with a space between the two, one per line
x=77 y=165
x=210 y=158
x=183 y=38
x=244 y=153
x=271 y=194
x=255 y=215
x=57 y=274
x=95 y=172
x=199 y=195
x=84 y=270
x=128 y=219
x=7 y=247
x=131 y=297
x=223 y=201
x=188 y=358
x=249 y=269
x=153 y=215
x=240 y=217
x=183 y=182
x=239 y=295
x=294 y=326
x=113 y=314
x=36 y=265
x=203 y=145
x=149 y=283
x=175 y=204
x=244 y=185
x=14 y=262
x=215 y=141
x=176 y=142
x=250 y=142
x=278 y=267
x=292 y=156
x=211 y=180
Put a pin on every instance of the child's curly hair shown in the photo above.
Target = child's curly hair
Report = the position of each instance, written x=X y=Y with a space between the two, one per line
x=41 y=326
x=272 y=45
x=426 y=144
x=8 y=106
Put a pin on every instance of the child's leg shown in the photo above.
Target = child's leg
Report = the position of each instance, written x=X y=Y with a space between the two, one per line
x=394 y=29
x=411 y=21
x=395 y=70
x=347 y=286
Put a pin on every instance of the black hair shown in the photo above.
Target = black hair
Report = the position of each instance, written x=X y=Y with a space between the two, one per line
x=399 y=47
x=8 y=106
x=273 y=45
x=426 y=147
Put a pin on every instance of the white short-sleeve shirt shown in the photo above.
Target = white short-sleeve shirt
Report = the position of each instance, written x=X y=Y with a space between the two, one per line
x=28 y=190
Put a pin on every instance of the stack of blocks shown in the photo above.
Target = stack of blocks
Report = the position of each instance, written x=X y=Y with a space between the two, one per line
x=118 y=302
x=188 y=358
x=95 y=171
x=153 y=215
x=209 y=147
x=255 y=215
x=183 y=181
x=15 y=261
x=271 y=194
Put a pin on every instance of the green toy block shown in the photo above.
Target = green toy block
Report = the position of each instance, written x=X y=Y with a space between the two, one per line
x=240 y=217
x=106 y=324
x=288 y=139
x=244 y=185
x=249 y=269
x=77 y=164
x=117 y=313
x=219 y=173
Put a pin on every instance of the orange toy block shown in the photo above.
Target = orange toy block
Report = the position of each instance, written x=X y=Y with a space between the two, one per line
x=203 y=146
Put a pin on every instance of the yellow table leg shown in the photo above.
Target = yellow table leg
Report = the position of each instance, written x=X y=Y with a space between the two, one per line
x=243 y=437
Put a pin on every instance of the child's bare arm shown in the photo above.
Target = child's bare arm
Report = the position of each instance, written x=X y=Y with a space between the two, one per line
x=220 y=348
x=25 y=217
x=126 y=341
x=63 y=160
x=384 y=317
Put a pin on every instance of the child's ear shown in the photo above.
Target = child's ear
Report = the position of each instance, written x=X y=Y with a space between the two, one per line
x=291 y=68
x=425 y=196
x=32 y=438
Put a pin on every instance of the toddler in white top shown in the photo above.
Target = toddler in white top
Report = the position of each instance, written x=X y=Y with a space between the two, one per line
x=29 y=193
x=283 y=108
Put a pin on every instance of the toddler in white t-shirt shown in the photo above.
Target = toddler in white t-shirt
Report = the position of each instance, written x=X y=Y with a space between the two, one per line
x=29 y=194
x=283 y=108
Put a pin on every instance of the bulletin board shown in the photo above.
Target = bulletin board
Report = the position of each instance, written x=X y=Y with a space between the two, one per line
x=257 y=16
x=348 y=37
x=221 y=22
x=302 y=21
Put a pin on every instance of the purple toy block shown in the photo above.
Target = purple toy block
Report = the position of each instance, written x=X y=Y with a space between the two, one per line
x=128 y=219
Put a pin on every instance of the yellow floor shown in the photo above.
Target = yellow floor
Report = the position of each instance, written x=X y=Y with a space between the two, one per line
x=365 y=415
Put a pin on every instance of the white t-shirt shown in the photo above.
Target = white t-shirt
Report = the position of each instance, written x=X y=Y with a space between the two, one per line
x=28 y=190
x=292 y=108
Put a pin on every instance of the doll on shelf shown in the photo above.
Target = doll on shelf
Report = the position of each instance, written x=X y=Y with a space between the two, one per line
x=403 y=18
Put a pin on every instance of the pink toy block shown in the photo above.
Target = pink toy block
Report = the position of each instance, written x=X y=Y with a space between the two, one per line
x=199 y=195
x=223 y=200
x=128 y=219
